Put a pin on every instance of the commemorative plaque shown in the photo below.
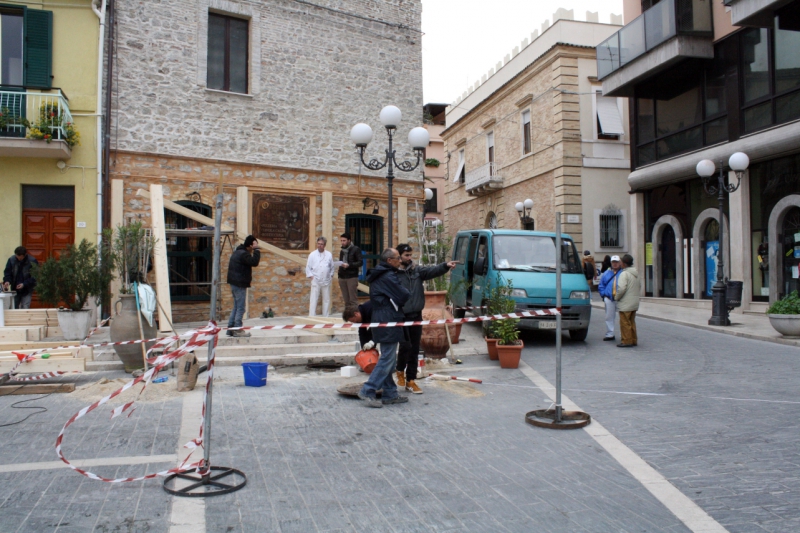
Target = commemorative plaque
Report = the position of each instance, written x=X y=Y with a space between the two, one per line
x=281 y=221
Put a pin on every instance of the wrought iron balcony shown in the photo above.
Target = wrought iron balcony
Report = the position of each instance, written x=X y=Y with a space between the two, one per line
x=483 y=180
x=35 y=123
x=628 y=49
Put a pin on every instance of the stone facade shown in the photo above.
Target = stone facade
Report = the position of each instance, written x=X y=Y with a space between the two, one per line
x=314 y=72
x=277 y=282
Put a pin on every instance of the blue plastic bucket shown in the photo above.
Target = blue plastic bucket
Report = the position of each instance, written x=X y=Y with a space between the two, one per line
x=255 y=374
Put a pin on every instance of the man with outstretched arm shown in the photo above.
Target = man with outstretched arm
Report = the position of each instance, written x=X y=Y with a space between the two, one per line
x=388 y=297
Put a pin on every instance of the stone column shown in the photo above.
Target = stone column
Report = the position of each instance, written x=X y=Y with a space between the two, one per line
x=741 y=249
x=637 y=234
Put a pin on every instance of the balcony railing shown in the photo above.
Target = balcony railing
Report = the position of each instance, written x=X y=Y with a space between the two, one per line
x=36 y=113
x=483 y=179
x=655 y=26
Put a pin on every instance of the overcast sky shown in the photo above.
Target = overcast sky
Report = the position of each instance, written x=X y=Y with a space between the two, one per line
x=463 y=39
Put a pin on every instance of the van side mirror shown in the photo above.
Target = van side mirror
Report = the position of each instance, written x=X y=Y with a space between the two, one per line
x=481 y=266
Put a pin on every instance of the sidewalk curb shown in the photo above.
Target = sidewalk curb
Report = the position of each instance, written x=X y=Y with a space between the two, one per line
x=715 y=329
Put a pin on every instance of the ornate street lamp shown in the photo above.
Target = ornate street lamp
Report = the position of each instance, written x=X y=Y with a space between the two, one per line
x=418 y=138
x=524 y=210
x=706 y=168
x=428 y=198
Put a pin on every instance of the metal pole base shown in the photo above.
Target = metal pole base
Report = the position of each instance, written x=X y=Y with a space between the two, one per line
x=546 y=418
x=719 y=308
x=208 y=485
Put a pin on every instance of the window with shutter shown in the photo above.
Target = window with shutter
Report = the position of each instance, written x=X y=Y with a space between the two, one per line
x=12 y=23
x=38 y=51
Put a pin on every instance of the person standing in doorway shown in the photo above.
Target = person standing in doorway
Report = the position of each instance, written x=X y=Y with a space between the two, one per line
x=606 y=290
x=240 y=275
x=626 y=293
x=17 y=277
x=388 y=296
x=412 y=277
x=350 y=256
x=319 y=268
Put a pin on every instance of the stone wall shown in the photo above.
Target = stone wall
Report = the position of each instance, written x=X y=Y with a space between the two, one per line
x=314 y=72
x=549 y=174
x=277 y=282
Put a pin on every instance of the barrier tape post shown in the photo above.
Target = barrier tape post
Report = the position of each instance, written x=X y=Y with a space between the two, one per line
x=202 y=482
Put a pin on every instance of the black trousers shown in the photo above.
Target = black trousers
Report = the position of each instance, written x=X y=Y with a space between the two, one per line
x=409 y=350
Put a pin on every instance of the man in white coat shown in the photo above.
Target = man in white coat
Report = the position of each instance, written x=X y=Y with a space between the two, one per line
x=320 y=269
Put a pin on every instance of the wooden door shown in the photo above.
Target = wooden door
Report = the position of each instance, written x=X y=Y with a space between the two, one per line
x=47 y=233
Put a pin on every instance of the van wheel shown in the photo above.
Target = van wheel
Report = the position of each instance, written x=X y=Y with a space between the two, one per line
x=458 y=313
x=578 y=334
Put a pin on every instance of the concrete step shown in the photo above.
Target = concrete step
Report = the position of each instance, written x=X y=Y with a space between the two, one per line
x=279 y=337
x=274 y=360
x=259 y=350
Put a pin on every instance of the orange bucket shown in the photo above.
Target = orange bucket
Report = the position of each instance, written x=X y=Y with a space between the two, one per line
x=367 y=359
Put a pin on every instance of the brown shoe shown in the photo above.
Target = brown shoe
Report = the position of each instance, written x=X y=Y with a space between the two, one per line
x=412 y=386
x=401 y=378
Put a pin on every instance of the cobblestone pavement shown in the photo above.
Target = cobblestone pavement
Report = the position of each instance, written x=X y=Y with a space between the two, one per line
x=457 y=458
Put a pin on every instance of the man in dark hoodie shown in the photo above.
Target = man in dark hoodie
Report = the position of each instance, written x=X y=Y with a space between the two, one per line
x=17 y=277
x=240 y=274
x=388 y=297
x=412 y=277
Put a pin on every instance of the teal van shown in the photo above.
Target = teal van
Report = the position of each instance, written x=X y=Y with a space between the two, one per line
x=528 y=260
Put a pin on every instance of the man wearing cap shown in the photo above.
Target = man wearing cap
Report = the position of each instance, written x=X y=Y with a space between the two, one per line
x=606 y=290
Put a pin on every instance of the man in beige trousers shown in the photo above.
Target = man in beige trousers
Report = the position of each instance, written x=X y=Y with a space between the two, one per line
x=626 y=293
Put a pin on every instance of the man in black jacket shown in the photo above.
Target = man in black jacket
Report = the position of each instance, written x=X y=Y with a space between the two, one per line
x=17 y=277
x=388 y=297
x=350 y=256
x=361 y=315
x=240 y=274
x=412 y=277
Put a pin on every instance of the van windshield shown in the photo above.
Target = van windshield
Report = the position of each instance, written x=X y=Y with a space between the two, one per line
x=533 y=253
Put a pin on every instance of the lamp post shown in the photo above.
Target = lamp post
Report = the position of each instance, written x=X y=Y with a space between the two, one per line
x=524 y=210
x=706 y=168
x=418 y=138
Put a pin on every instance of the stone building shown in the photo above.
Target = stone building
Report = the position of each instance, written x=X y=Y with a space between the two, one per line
x=538 y=127
x=264 y=94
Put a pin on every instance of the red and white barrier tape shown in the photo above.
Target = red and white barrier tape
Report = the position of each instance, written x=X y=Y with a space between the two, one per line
x=196 y=339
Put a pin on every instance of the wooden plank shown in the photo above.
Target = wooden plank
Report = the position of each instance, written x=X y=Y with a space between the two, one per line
x=243 y=219
x=40 y=366
x=17 y=334
x=172 y=206
x=327 y=217
x=36 y=388
x=83 y=351
x=117 y=219
x=402 y=219
x=161 y=266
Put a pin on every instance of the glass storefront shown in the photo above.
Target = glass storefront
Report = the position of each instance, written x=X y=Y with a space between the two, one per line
x=770 y=182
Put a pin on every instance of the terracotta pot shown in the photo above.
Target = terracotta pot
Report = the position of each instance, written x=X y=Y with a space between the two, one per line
x=491 y=345
x=509 y=354
x=434 y=338
x=125 y=327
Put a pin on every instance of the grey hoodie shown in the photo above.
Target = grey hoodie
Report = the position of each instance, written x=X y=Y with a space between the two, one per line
x=627 y=290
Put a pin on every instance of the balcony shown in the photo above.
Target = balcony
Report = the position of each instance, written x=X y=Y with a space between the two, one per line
x=663 y=35
x=758 y=13
x=30 y=113
x=483 y=180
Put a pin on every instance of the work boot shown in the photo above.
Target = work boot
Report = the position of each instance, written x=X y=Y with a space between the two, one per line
x=370 y=401
x=401 y=379
x=399 y=399
x=412 y=387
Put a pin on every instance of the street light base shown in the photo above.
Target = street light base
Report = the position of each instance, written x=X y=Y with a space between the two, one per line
x=719 y=308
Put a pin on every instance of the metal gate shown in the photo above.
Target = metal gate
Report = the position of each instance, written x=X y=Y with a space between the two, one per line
x=189 y=258
x=367 y=234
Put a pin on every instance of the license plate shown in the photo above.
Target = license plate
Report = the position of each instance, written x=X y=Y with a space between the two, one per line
x=547 y=324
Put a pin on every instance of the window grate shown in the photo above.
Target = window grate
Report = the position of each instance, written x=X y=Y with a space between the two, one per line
x=610 y=231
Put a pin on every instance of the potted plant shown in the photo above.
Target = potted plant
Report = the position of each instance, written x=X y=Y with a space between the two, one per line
x=503 y=332
x=70 y=281
x=784 y=316
x=132 y=246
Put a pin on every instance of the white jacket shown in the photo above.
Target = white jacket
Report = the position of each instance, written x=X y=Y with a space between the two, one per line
x=320 y=267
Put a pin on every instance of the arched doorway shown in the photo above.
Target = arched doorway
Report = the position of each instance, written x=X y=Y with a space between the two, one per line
x=784 y=224
x=667 y=242
x=705 y=231
x=491 y=220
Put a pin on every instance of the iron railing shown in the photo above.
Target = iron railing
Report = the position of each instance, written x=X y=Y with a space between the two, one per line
x=25 y=109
